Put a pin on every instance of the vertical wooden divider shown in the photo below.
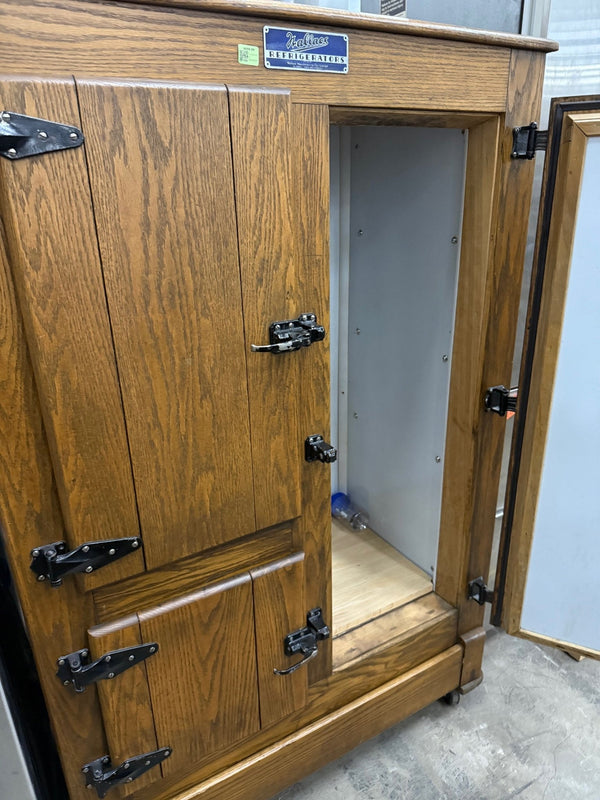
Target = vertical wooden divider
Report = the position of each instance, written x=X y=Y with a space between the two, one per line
x=262 y=146
x=311 y=181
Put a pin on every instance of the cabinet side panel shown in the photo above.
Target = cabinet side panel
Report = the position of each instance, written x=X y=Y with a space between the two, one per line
x=54 y=254
x=30 y=515
x=311 y=179
x=514 y=186
x=161 y=176
x=262 y=144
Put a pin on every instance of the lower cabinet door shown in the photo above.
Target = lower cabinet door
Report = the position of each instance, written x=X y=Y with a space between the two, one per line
x=213 y=676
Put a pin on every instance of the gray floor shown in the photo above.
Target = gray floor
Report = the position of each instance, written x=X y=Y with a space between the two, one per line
x=531 y=730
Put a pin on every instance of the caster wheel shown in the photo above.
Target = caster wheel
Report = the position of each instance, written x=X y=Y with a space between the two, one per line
x=452 y=698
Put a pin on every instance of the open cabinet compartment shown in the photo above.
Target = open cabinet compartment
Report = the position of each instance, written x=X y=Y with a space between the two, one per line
x=399 y=271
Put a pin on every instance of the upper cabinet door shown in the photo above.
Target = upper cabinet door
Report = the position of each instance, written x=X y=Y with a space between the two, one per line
x=548 y=588
x=161 y=178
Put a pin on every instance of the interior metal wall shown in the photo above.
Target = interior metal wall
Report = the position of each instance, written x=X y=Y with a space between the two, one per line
x=398 y=274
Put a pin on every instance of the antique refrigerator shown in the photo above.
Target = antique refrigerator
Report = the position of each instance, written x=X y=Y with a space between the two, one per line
x=253 y=254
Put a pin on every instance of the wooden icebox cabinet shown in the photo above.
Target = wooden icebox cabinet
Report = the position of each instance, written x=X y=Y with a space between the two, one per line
x=237 y=279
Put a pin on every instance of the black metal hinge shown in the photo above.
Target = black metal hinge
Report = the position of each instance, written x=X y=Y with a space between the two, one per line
x=22 y=136
x=291 y=334
x=304 y=640
x=499 y=399
x=479 y=592
x=75 y=668
x=102 y=776
x=317 y=449
x=52 y=561
x=527 y=139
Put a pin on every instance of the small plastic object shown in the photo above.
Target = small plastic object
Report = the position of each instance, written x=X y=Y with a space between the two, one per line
x=346 y=511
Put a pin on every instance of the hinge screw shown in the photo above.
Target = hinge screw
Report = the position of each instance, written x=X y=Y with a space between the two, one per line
x=11 y=151
x=111 y=674
x=107 y=659
x=85 y=769
x=89 y=569
x=61 y=662
x=126 y=765
x=84 y=653
x=147 y=763
x=135 y=544
x=112 y=551
x=131 y=658
x=42 y=135
x=5 y=116
x=35 y=553
x=66 y=683
x=73 y=135
x=153 y=649
x=41 y=577
x=85 y=548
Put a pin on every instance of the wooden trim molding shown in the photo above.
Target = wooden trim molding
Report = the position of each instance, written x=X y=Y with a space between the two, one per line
x=352 y=19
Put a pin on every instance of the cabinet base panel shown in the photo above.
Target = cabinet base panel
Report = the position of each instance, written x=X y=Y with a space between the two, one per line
x=265 y=773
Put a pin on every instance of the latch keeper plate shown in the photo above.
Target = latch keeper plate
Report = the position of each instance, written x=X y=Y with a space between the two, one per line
x=527 y=139
x=479 y=592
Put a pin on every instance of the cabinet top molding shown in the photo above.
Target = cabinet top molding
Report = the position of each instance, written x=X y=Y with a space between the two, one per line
x=315 y=15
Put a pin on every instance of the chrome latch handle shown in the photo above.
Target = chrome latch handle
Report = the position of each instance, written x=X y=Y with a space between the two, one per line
x=291 y=334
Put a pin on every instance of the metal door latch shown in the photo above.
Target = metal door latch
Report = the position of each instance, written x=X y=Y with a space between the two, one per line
x=479 y=592
x=291 y=334
x=102 y=776
x=22 y=136
x=317 y=449
x=52 y=561
x=75 y=668
x=304 y=640
x=499 y=399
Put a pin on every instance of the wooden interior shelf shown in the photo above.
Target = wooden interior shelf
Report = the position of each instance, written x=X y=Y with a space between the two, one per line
x=370 y=578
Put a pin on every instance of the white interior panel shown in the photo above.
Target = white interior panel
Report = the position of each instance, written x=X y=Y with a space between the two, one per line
x=405 y=209
x=562 y=594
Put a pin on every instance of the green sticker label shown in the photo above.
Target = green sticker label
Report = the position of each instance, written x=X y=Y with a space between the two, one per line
x=248 y=54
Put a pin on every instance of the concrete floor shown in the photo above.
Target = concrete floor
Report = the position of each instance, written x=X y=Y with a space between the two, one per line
x=531 y=730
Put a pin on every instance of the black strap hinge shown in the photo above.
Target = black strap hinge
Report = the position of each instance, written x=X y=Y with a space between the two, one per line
x=479 y=592
x=499 y=399
x=102 y=776
x=75 y=668
x=52 y=561
x=527 y=139
x=22 y=136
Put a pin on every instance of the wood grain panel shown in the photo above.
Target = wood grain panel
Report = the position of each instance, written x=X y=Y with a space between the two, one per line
x=411 y=631
x=514 y=182
x=279 y=609
x=262 y=145
x=417 y=73
x=183 y=577
x=268 y=771
x=203 y=679
x=311 y=181
x=126 y=704
x=464 y=405
x=54 y=253
x=29 y=514
x=160 y=165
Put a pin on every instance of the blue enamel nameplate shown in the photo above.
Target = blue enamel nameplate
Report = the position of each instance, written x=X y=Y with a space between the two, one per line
x=288 y=48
